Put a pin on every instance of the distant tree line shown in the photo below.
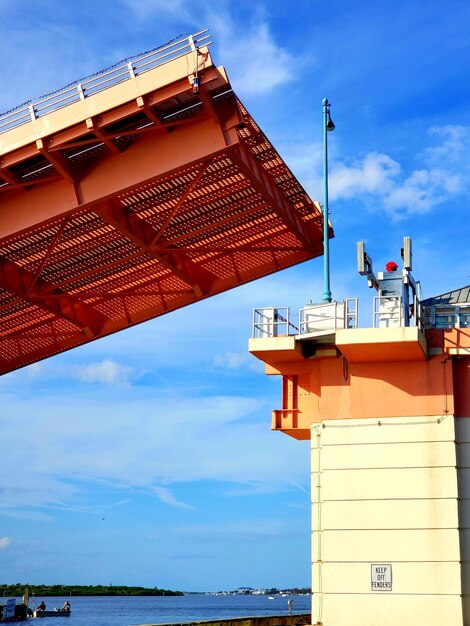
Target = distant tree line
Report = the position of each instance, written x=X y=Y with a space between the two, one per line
x=18 y=590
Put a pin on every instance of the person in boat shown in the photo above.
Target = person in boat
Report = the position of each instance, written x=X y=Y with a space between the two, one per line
x=41 y=607
x=66 y=606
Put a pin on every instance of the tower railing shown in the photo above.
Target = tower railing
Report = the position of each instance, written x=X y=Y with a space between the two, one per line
x=328 y=317
x=126 y=70
x=273 y=322
x=446 y=316
x=391 y=312
x=313 y=318
x=388 y=312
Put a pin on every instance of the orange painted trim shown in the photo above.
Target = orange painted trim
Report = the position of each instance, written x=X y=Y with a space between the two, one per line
x=456 y=339
x=330 y=388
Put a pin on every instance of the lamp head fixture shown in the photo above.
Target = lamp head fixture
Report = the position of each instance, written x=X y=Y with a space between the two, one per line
x=329 y=123
x=326 y=111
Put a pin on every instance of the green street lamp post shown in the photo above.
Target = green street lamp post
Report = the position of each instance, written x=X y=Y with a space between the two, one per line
x=328 y=126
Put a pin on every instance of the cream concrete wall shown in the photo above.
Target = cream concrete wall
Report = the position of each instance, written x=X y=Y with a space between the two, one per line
x=387 y=493
x=462 y=438
x=383 y=610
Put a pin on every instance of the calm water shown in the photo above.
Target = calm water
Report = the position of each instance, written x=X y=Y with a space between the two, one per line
x=132 y=611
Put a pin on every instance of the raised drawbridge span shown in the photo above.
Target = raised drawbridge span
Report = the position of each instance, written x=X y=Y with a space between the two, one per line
x=137 y=191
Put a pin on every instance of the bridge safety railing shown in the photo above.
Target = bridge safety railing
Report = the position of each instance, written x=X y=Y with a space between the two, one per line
x=447 y=316
x=272 y=322
x=126 y=70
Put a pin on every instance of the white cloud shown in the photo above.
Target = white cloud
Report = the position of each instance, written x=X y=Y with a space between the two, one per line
x=257 y=63
x=121 y=502
x=378 y=175
x=146 y=9
x=422 y=190
x=454 y=146
x=4 y=542
x=374 y=173
x=167 y=497
x=378 y=178
x=237 y=360
x=264 y=530
x=232 y=360
x=132 y=438
x=106 y=372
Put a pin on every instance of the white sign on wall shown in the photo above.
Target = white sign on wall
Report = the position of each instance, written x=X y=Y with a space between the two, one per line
x=381 y=577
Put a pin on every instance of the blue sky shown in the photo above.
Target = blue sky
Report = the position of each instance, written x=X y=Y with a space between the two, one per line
x=146 y=458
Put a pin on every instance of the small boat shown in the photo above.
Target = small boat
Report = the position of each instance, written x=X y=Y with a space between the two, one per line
x=271 y=598
x=56 y=613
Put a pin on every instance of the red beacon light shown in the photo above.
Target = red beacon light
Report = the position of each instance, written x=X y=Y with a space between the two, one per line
x=391 y=266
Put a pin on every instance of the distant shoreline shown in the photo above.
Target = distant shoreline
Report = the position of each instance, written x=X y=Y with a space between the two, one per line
x=46 y=591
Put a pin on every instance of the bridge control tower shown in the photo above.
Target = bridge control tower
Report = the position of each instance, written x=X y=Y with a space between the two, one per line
x=387 y=410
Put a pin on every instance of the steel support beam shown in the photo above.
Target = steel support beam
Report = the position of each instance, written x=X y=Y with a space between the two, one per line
x=60 y=163
x=150 y=113
x=12 y=179
x=142 y=234
x=187 y=192
x=108 y=141
x=266 y=186
x=29 y=288
x=110 y=177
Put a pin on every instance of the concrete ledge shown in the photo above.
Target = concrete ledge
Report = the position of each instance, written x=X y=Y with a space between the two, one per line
x=276 y=349
x=362 y=345
x=302 y=619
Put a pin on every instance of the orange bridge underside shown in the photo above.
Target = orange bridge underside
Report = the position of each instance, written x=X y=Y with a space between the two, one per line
x=115 y=213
